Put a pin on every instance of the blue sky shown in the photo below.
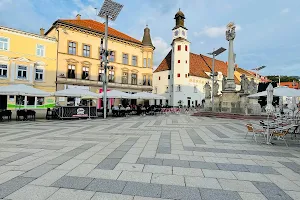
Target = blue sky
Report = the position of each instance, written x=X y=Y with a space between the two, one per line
x=268 y=31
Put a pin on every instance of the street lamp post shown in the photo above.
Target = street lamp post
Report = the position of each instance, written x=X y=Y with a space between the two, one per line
x=214 y=54
x=109 y=10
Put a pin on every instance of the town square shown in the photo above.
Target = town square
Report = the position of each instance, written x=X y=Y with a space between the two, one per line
x=141 y=100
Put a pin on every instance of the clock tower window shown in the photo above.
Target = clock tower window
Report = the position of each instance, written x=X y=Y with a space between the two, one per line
x=186 y=48
x=179 y=47
x=178 y=61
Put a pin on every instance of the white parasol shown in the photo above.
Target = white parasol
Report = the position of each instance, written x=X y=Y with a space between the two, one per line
x=269 y=108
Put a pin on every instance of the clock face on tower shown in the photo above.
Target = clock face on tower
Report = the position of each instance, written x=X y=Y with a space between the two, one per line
x=183 y=33
x=176 y=33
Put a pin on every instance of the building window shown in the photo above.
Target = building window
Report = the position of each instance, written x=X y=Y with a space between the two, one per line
x=86 y=50
x=168 y=76
x=178 y=61
x=134 y=60
x=111 y=75
x=112 y=56
x=186 y=61
x=4 y=43
x=149 y=62
x=155 y=90
x=22 y=72
x=144 y=80
x=134 y=79
x=72 y=48
x=171 y=88
x=195 y=89
x=145 y=62
x=125 y=58
x=71 y=71
x=178 y=75
x=159 y=78
x=125 y=78
x=185 y=75
x=101 y=74
x=179 y=47
x=186 y=48
x=149 y=80
x=39 y=74
x=3 y=71
x=178 y=88
x=40 y=50
x=167 y=89
x=85 y=73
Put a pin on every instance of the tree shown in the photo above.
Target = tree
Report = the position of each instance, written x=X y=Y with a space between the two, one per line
x=283 y=78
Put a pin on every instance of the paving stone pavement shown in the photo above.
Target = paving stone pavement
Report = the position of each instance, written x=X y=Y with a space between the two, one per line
x=143 y=158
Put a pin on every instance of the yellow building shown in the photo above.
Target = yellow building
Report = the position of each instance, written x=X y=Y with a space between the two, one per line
x=130 y=65
x=27 y=58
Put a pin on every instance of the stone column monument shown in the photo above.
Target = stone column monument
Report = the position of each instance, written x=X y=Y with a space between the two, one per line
x=230 y=35
x=230 y=101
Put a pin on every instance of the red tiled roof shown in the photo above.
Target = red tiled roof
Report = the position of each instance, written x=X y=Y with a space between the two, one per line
x=199 y=64
x=294 y=85
x=246 y=72
x=98 y=27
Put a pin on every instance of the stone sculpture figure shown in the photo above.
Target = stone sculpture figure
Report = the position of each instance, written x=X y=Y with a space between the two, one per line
x=246 y=88
x=252 y=87
x=207 y=90
x=216 y=88
x=223 y=83
x=243 y=77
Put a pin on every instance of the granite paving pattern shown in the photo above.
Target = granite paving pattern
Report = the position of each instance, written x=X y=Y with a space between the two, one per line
x=139 y=158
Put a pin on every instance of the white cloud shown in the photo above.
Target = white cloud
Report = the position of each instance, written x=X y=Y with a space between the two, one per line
x=162 y=48
x=285 y=10
x=214 y=31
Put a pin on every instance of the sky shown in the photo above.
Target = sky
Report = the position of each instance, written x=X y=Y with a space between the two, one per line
x=267 y=31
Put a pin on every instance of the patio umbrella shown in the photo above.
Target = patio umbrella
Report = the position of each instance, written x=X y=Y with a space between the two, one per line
x=269 y=108
x=23 y=90
x=279 y=91
x=75 y=92
x=116 y=94
x=144 y=95
x=293 y=105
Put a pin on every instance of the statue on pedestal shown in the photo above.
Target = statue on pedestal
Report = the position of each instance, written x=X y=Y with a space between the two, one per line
x=207 y=90
x=243 y=77
x=252 y=87
x=230 y=35
x=216 y=88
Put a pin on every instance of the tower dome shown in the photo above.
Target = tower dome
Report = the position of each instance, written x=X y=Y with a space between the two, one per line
x=147 y=38
x=179 y=18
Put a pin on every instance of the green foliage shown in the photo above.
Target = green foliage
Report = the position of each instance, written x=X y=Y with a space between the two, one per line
x=283 y=78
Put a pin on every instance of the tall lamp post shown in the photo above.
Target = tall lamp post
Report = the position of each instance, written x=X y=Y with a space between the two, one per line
x=109 y=10
x=214 y=54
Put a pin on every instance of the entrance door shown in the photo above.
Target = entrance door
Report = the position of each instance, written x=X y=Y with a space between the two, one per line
x=189 y=103
x=3 y=102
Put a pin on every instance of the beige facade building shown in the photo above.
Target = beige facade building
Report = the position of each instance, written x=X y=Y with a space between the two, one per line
x=78 y=57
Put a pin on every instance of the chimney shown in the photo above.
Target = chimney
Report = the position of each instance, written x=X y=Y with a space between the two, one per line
x=78 y=16
x=42 y=32
x=226 y=63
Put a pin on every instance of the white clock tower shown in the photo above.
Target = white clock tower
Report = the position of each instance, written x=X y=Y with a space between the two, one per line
x=180 y=63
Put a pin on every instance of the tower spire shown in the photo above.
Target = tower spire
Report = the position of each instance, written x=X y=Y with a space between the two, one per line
x=147 y=38
x=179 y=18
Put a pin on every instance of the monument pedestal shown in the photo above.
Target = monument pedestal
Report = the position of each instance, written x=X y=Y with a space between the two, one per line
x=244 y=103
x=208 y=104
x=230 y=102
x=217 y=103
x=254 y=107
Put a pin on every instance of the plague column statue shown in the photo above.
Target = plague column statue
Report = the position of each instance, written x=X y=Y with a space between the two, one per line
x=230 y=35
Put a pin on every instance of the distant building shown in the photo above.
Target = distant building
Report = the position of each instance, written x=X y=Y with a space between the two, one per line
x=295 y=85
x=181 y=75
x=27 y=58
x=130 y=65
